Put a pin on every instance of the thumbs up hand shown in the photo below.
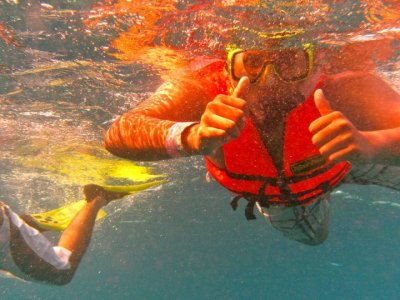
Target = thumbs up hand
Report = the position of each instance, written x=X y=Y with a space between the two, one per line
x=336 y=136
x=221 y=122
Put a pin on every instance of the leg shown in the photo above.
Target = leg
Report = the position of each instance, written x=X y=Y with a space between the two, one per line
x=37 y=258
x=76 y=237
x=31 y=222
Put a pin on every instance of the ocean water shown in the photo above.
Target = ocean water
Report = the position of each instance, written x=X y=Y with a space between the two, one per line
x=66 y=74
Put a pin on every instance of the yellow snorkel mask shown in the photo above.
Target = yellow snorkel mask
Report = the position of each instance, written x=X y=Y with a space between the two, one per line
x=289 y=63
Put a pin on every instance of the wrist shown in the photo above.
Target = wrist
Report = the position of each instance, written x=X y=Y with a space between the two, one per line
x=176 y=141
x=189 y=139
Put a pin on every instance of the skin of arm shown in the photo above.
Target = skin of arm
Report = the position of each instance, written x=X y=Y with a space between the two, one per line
x=360 y=120
x=140 y=134
x=360 y=127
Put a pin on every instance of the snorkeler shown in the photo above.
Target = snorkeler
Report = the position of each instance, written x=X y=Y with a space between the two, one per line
x=28 y=254
x=275 y=126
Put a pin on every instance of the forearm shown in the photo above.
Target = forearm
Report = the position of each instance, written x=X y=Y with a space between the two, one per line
x=143 y=133
x=138 y=137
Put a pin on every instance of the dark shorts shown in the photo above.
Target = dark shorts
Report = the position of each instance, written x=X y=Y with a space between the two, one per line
x=302 y=223
x=44 y=250
x=309 y=223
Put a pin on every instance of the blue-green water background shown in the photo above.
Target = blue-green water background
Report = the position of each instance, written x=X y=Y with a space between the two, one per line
x=181 y=240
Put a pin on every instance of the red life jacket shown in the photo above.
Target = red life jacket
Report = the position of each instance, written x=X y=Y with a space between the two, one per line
x=251 y=172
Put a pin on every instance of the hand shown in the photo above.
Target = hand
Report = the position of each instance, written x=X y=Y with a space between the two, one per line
x=336 y=137
x=221 y=122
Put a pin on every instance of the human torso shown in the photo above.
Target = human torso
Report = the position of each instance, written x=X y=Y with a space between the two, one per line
x=275 y=147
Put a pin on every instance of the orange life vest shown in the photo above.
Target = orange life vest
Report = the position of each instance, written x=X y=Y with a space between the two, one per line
x=251 y=172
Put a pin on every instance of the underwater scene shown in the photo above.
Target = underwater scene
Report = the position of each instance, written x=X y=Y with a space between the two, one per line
x=69 y=68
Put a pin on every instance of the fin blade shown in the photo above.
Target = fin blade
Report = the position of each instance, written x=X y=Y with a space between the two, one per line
x=132 y=188
x=58 y=219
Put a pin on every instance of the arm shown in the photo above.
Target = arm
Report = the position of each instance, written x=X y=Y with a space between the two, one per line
x=140 y=134
x=200 y=97
x=361 y=121
x=361 y=56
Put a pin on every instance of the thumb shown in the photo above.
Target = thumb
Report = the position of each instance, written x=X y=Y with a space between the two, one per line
x=322 y=103
x=241 y=87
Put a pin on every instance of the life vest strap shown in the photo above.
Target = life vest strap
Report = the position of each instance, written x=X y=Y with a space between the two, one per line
x=249 y=210
x=267 y=200
x=273 y=181
x=269 y=191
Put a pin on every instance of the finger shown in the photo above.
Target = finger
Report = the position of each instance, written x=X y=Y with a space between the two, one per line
x=241 y=87
x=235 y=102
x=225 y=110
x=324 y=121
x=218 y=122
x=346 y=154
x=322 y=103
x=328 y=133
x=232 y=129
x=336 y=145
x=213 y=134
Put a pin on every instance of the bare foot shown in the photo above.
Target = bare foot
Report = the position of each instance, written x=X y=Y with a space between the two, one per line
x=92 y=191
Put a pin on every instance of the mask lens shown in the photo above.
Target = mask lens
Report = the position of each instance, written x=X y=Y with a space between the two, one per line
x=289 y=64
x=292 y=64
x=254 y=62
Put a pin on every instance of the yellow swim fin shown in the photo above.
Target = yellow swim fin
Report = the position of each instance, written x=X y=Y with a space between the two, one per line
x=58 y=219
x=131 y=189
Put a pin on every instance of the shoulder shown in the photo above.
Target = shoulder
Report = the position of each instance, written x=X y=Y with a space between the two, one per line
x=363 y=97
x=351 y=90
x=213 y=75
x=352 y=84
x=348 y=75
x=214 y=67
x=210 y=79
x=215 y=70
x=359 y=84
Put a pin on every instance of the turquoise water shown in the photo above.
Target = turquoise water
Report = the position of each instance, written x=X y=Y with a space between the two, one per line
x=59 y=87
x=178 y=244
